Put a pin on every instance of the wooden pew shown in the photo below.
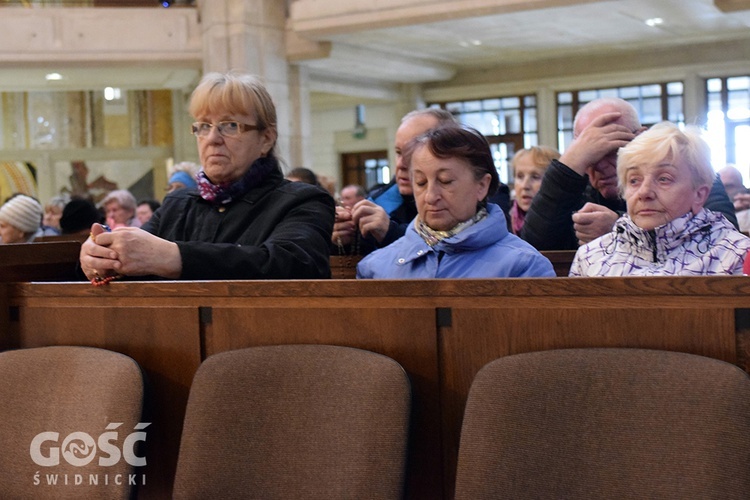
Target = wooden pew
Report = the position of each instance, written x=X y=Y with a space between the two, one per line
x=561 y=260
x=441 y=331
x=345 y=266
x=46 y=261
x=79 y=237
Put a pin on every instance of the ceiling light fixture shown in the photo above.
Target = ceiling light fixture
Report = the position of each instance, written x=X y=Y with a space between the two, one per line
x=112 y=93
x=654 y=21
x=53 y=76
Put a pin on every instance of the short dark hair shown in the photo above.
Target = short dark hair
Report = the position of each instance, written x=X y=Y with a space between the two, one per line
x=304 y=175
x=78 y=215
x=153 y=204
x=458 y=141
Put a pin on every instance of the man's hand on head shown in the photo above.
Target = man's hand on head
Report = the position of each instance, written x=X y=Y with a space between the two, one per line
x=597 y=140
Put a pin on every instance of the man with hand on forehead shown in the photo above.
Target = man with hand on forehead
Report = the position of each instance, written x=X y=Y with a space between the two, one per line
x=579 y=199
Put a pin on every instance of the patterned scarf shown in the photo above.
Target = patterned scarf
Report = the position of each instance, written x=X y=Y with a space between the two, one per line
x=227 y=192
x=432 y=237
x=517 y=217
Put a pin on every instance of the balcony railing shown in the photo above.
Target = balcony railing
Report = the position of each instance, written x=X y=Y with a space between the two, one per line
x=98 y=3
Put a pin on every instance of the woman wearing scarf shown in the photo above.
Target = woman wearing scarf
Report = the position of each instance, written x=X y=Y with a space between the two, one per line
x=244 y=220
x=528 y=167
x=456 y=233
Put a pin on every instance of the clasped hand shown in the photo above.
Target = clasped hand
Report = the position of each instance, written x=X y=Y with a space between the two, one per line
x=129 y=251
x=365 y=216
x=593 y=221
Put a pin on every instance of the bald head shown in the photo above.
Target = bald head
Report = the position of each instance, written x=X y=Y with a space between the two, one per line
x=413 y=125
x=593 y=109
x=732 y=180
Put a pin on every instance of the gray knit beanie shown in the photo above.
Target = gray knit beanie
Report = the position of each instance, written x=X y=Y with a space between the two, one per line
x=22 y=212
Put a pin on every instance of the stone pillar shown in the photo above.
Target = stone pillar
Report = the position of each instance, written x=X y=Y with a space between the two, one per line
x=248 y=35
x=300 y=128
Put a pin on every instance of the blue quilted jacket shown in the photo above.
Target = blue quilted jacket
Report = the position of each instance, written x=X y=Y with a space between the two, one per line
x=484 y=250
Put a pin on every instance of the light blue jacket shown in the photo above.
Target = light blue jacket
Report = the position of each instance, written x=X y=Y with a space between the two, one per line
x=484 y=250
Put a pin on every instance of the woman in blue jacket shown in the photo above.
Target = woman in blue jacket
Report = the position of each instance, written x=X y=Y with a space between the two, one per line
x=456 y=233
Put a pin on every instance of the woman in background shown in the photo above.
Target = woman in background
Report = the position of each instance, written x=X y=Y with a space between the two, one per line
x=119 y=209
x=528 y=167
x=20 y=219
x=183 y=176
x=53 y=211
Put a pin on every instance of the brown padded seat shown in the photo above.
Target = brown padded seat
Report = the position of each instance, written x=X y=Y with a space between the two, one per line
x=295 y=421
x=66 y=390
x=606 y=423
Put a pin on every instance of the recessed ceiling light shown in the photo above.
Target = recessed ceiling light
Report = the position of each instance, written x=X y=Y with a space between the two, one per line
x=112 y=93
x=654 y=21
x=476 y=42
x=53 y=76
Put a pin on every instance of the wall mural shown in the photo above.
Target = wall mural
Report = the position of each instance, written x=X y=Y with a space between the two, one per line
x=17 y=177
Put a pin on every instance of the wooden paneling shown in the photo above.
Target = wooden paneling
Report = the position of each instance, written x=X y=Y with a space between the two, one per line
x=39 y=261
x=441 y=331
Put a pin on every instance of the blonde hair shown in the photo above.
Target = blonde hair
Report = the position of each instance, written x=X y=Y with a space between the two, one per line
x=541 y=156
x=665 y=141
x=235 y=92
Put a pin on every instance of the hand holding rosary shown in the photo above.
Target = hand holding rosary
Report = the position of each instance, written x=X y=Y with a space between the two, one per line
x=99 y=280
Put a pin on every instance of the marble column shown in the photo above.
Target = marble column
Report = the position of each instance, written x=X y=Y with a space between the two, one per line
x=248 y=35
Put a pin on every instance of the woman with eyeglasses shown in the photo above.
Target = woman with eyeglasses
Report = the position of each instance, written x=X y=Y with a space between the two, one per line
x=244 y=221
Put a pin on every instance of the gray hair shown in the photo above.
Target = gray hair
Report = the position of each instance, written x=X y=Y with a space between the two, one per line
x=123 y=197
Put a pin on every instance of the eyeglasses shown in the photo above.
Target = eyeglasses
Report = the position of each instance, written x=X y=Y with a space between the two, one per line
x=226 y=129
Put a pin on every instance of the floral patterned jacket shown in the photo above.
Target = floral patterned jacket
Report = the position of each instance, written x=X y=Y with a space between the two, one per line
x=701 y=244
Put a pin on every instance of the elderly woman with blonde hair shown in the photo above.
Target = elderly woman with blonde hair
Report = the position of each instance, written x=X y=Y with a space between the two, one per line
x=665 y=176
x=244 y=220
x=528 y=167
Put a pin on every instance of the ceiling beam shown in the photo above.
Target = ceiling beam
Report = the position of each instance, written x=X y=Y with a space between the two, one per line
x=301 y=49
x=321 y=18
x=325 y=83
x=381 y=66
x=732 y=5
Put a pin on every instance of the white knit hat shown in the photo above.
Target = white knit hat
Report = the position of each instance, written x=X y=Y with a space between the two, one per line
x=22 y=212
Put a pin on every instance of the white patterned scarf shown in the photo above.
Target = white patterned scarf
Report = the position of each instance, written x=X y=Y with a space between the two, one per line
x=432 y=237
